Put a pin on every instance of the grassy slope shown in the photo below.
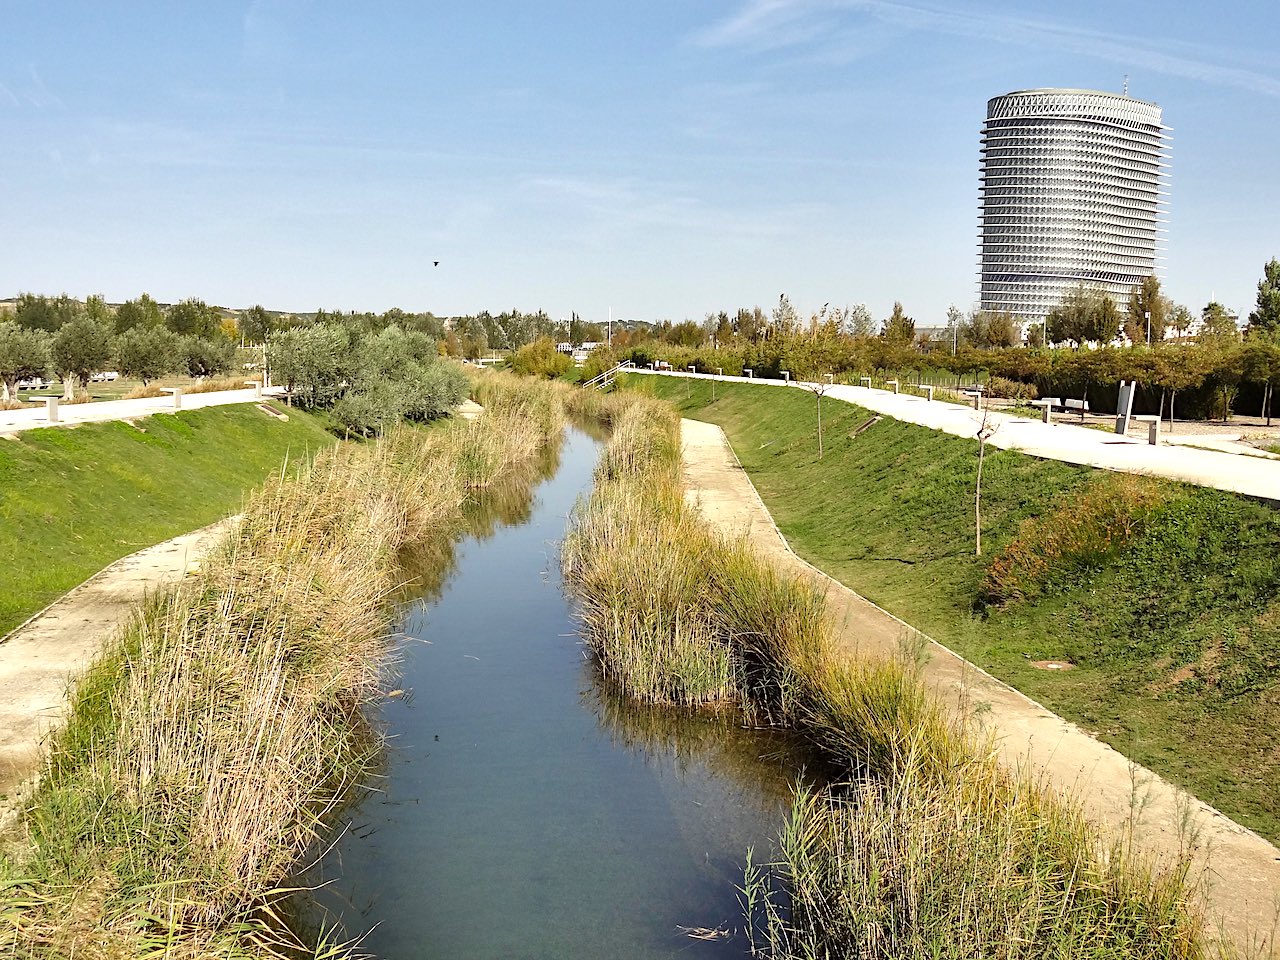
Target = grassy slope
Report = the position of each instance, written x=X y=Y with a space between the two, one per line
x=1176 y=638
x=74 y=500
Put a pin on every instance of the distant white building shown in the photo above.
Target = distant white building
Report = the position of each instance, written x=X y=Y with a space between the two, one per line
x=1071 y=192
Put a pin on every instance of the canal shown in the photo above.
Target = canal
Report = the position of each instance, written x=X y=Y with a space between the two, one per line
x=525 y=812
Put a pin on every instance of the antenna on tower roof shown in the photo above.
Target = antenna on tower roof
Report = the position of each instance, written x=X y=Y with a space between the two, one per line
x=1126 y=84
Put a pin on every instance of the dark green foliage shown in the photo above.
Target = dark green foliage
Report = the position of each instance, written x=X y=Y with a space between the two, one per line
x=146 y=352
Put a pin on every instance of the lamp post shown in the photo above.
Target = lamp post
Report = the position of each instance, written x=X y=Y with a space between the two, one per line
x=1148 y=316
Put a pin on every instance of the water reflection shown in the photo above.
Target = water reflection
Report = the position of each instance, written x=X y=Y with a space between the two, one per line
x=524 y=810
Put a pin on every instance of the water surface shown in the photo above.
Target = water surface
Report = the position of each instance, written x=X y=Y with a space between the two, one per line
x=527 y=812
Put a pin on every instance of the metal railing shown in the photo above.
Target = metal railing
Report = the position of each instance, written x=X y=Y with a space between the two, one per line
x=604 y=380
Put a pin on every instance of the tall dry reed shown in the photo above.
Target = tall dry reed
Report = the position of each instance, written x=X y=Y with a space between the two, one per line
x=932 y=849
x=206 y=747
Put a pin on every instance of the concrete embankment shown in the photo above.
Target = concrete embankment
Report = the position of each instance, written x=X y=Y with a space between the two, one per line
x=1241 y=870
x=39 y=659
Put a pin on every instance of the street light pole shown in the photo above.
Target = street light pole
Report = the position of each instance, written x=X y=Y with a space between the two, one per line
x=1148 y=315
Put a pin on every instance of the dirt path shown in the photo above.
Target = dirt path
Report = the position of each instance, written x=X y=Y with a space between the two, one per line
x=38 y=660
x=1241 y=869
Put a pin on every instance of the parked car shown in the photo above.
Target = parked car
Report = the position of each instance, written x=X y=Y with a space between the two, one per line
x=105 y=377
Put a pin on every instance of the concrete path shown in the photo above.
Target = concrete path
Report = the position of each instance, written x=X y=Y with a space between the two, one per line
x=69 y=414
x=1241 y=870
x=1252 y=476
x=39 y=659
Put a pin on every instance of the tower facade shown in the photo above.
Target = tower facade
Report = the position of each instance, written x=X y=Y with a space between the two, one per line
x=1070 y=192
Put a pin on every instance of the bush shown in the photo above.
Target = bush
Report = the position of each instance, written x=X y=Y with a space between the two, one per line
x=541 y=359
x=1003 y=389
x=1077 y=535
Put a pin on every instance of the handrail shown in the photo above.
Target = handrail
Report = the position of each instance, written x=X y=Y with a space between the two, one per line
x=602 y=380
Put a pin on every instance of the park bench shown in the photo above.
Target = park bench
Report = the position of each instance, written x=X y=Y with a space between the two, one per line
x=1079 y=406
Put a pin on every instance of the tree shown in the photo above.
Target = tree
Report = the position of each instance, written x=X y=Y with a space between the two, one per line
x=1085 y=316
x=36 y=312
x=1035 y=335
x=1180 y=320
x=311 y=362
x=1148 y=313
x=898 y=329
x=540 y=359
x=1178 y=368
x=1266 y=316
x=205 y=356
x=24 y=354
x=785 y=320
x=1218 y=329
x=986 y=430
x=193 y=318
x=80 y=349
x=819 y=390
x=861 y=324
x=147 y=353
x=256 y=324
x=990 y=330
x=955 y=318
x=1261 y=364
x=143 y=312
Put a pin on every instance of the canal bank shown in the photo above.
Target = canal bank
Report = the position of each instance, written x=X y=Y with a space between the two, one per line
x=1241 y=870
x=527 y=810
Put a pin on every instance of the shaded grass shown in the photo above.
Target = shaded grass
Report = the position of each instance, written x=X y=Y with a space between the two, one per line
x=1178 y=631
x=72 y=500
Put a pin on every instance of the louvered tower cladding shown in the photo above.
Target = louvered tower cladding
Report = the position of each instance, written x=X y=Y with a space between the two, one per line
x=1070 y=193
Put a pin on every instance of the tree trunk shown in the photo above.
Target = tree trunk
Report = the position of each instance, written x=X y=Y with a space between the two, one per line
x=819 y=426
x=977 y=500
x=69 y=383
x=1173 y=396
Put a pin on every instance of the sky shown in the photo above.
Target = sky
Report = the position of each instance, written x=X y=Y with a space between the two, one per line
x=656 y=160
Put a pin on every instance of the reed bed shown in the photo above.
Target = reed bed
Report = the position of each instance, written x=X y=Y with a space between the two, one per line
x=670 y=609
x=927 y=847
x=206 y=748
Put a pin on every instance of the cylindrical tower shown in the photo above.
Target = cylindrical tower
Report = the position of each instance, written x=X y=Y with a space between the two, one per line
x=1070 y=187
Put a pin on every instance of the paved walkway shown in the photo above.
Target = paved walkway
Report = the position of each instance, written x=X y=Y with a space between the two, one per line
x=39 y=659
x=1252 y=476
x=69 y=414
x=1241 y=870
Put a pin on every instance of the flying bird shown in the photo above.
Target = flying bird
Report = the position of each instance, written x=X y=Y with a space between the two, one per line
x=435 y=263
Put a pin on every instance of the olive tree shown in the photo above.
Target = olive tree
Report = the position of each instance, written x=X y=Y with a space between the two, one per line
x=80 y=348
x=146 y=353
x=24 y=354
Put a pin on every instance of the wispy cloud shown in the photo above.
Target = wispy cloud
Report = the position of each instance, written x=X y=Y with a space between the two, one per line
x=39 y=95
x=9 y=95
x=773 y=24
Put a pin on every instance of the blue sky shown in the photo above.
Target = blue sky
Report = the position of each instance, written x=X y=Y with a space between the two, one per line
x=660 y=158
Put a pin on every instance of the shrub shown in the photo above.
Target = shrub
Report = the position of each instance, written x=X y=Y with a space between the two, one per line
x=541 y=359
x=1077 y=534
x=1003 y=389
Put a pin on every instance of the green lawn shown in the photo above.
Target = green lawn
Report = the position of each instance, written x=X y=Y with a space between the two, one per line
x=72 y=500
x=1175 y=634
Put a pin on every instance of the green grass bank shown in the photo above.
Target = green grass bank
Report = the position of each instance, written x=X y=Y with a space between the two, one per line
x=73 y=500
x=1165 y=597
x=922 y=845
x=211 y=741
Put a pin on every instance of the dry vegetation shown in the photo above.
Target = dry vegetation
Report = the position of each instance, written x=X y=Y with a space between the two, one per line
x=207 y=745
x=926 y=847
